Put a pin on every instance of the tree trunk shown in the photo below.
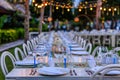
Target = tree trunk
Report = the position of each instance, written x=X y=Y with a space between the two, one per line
x=50 y=15
x=98 y=13
x=41 y=19
x=26 y=21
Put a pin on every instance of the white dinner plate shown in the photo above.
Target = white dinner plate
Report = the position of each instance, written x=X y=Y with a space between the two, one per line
x=53 y=71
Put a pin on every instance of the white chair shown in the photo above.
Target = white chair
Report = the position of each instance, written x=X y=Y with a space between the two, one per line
x=117 y=49
x=106 y=40
x=118 y=40
x=89 y=47
x=81 y=41
x=106 y=69
x=18 y=51
x=29 y=44
x=83 y=44
x=3 y=61
x=36 y=39
x=76 y=38
x=96 y=40
x=33 y=42
x=26 y=49
x=96 y=51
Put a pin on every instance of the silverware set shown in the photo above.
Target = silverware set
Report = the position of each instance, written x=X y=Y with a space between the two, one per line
x=73 y=72
x=89 y=72
x=33 y=71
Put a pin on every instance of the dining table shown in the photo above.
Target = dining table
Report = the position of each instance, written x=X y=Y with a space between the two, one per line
x=58 y=66
x=76 y=71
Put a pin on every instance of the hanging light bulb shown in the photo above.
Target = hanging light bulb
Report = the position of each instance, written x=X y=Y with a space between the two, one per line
x=104 y=9
x=80 y=10
x=36 y=4
x=45 y=4
x=86 y=2
x=68 y=9
x=100 y=8
x=33 y=1
x=91 y=8
x=39 y=6
x=115 y=9
x=57 y=7
x=109 y=9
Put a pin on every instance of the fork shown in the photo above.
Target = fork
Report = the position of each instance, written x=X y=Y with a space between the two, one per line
x=74 y=72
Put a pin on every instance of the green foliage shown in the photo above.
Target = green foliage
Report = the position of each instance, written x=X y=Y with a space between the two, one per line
x=11 y=35
x=33 y=29
x=45 y=27
x=3 y=19
x=34 y=22
x=75 y=24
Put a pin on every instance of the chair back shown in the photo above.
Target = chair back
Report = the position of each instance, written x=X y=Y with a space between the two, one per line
x=16 y=52
x=89 y=47
x=3 y=62
x=30 y=46
x=96 y=51
x=26 y=49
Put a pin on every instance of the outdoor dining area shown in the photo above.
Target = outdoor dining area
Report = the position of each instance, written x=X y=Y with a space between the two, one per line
x=60 y=55
x=60 y=40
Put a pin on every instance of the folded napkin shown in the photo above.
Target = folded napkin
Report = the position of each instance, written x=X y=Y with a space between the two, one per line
x=26 y=62
x=77 y=49
x=80 y=52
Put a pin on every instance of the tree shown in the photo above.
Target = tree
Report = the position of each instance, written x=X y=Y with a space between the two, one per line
x=26 y=21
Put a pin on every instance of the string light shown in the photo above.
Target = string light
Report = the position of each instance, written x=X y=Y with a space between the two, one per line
x=86 y=2
x=100 y=8
x=57 y=7
x=45 y=4
x=104 y=9
x=109 y=9
x=33 y=1
x=80 y=10
x=68 y=9
x=36 y=4
x=39 y=6
x=115 y=9
x=91 y=8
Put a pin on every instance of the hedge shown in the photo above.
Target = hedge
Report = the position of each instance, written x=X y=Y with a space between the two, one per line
x=11 y=35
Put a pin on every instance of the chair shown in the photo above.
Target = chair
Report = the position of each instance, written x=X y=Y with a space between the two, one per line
x=106 y=40
x=3 y=61
x=83 y=44
x=96 y=51
x=106 y=69
x=26 y=49
x=89 y=47
x=117 y=49
x=96 y=40
x=76 y=38
x=33 y=42
x=118 y=40
x=29 y=44
x=81 y=41
x=18 y=51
